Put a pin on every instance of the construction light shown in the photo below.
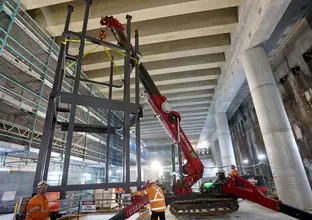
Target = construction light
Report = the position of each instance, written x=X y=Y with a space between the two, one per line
x=156 y=165
x=4 y=169
x=261 y=156
x=245 y=161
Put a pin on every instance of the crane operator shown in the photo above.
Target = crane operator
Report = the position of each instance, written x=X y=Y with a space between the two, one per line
x=234 y=171
x=156 y=199
x=38 y=207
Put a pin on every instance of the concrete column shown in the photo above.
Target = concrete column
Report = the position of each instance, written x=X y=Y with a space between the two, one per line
x=290 y=178
x=225 y=141
x=217 y=154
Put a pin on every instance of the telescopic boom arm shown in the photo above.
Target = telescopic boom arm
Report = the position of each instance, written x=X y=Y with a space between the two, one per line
x=193 y=168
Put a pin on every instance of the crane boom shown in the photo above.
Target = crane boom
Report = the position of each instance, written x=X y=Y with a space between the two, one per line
x=225 y=191
x=193 y=168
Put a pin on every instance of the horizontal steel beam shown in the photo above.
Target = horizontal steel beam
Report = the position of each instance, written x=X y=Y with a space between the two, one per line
x=96 y=102
x=87 y=128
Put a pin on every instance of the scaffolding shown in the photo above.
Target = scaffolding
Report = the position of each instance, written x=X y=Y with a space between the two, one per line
x=28 y=61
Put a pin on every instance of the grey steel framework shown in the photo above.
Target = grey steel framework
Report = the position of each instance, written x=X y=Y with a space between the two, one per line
x=58 y=97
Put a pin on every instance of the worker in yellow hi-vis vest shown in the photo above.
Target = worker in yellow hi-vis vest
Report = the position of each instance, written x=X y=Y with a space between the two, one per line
x=156 y=199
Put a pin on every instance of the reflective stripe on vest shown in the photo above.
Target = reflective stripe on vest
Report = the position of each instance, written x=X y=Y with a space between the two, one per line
x=157 y=190
x=154 y=209
x=42 y=205
x=34 y=208
x=156 y=200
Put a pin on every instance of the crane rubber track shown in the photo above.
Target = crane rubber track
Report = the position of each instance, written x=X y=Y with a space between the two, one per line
x=203 y=206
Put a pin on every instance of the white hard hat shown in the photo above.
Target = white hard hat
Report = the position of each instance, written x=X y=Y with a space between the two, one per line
x=42 y=184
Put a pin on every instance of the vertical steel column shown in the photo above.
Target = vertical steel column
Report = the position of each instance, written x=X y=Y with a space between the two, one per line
x=110 y=94
x=74 y=106
x=49 y=122
x=174 y=180
x=126 y=131
x=179 y=151
x=49 y=147
x=137 y=125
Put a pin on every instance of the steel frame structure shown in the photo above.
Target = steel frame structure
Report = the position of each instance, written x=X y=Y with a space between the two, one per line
x=37 y=73
x=27 y=72
x=74 y=99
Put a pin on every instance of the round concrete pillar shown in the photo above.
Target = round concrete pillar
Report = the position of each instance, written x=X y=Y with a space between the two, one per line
x=289 y=175
x=225 y=141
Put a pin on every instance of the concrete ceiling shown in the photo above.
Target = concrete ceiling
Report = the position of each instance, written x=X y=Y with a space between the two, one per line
x=184 y=43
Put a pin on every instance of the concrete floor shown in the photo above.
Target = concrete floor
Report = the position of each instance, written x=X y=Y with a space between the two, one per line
x=247 y=211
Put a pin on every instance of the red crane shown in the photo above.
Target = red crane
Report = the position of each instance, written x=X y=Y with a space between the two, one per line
x=222 y=198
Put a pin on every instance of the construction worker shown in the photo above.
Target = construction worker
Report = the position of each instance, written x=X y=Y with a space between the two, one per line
x=38 y=207
x=234 y=171
x=118 y=192
x=156 y=199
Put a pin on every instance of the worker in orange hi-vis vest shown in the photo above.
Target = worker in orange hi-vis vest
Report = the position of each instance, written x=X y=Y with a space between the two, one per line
x=118 y=192
x=38 y=207
x=156 y=199
x=234 y=171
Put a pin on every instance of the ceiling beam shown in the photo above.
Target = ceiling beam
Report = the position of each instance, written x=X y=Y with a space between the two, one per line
x=149 y=112
x=162 y=129
x=99 y=73
x=162 y=51
x=176 y=96
x=180 y=87
x=179 y=77
x=187 y=102
x=182 y=113
x=139 y=10
x=32 y=4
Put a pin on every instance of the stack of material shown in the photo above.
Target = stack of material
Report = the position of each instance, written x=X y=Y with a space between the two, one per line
x=104 y=198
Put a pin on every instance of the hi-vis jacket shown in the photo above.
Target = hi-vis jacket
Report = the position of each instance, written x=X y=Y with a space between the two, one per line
x=38 y=208
x=156 y=197
x=119 y=190
x=234 y=172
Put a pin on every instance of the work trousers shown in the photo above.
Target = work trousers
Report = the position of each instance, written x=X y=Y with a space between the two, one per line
x=156 y=215
x=118 y=199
